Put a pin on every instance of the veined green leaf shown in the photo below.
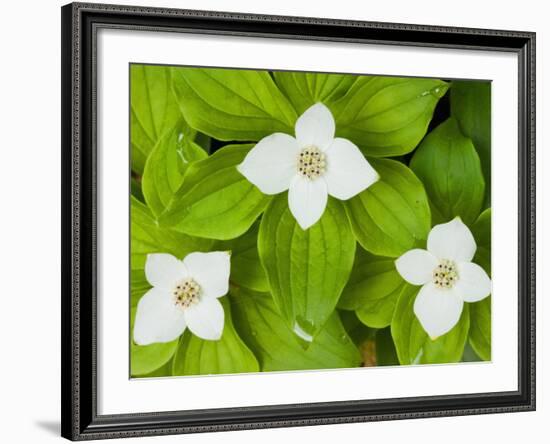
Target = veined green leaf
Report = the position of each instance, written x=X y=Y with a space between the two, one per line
x=264 y=330
x=154 y=110
x=372 y=289
x=246 y=268
x=413 y=345
x=232 y=104
x=304 y=89
x=196 y=356
x=165 y=166
x=144 y=359
x=147 y=237
x=387 y=116
x=306 y=270
x=471 y=106
x=393 y=215
x=215 y=200
x=448 y=165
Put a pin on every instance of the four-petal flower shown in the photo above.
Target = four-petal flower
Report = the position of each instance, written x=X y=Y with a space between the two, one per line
x=184 y=294
x=311 y=166
x=447 y=275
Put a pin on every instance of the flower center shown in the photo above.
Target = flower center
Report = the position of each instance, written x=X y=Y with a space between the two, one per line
x=445 y=274
x=186 y=293
x=311 y=162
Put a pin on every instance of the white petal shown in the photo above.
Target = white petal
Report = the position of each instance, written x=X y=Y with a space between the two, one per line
x=438 y=310
x=164 y=270
x=206 y=319
x=307 y=200
x=158 y=319
x=416 y=266
x=473 y=284
x=272 y=163
x=452 y=241
x=211 y=271
x=315 y=127
x=347 y=171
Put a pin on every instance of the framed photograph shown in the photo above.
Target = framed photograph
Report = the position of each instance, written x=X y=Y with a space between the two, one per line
x=281 y=221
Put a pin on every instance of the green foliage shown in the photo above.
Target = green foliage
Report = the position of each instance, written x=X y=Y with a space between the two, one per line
x=196 y=356
x=288 y=285
x=153 y=112
x=215 y=200
x=264 y=330
x=393 y=215
x=387 y=116
x=144 y=359
x=232 y=104
x=307 y=270
x=372 y=289
x=304 y=89
x=471 y=106
x=448 y=165
x=165 y=167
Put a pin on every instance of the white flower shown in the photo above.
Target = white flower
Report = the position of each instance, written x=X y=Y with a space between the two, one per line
x=310 y=166
x=447 y=275
x=184 y=294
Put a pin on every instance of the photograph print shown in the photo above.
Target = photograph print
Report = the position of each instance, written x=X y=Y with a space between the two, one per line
x=290 y=221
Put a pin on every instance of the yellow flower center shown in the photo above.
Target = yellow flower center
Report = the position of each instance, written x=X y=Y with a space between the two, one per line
x=186 y=293
x=445 y=274
x=311 y=162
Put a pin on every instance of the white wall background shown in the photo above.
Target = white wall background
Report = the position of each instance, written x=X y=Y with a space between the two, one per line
x=30 y=220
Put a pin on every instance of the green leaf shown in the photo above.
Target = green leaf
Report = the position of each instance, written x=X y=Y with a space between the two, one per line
x=480 y=328
x=307 y=270
x=372 y=289
x=215 y=200
x=144 y=359
x=246 y=268
x=275 y=345
x=165 y=166
x=232 y=104
x=413 y=345
x=481 y=231
x=387 y=116
x=304 y=89
x=147 y=237
x=196 y=356
x=407 y=333
x=448 y=165
x=393 y=215
x=154 y=110
x=471 y=106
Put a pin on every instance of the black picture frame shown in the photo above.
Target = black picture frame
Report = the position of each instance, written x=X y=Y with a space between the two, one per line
x=80 y=22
